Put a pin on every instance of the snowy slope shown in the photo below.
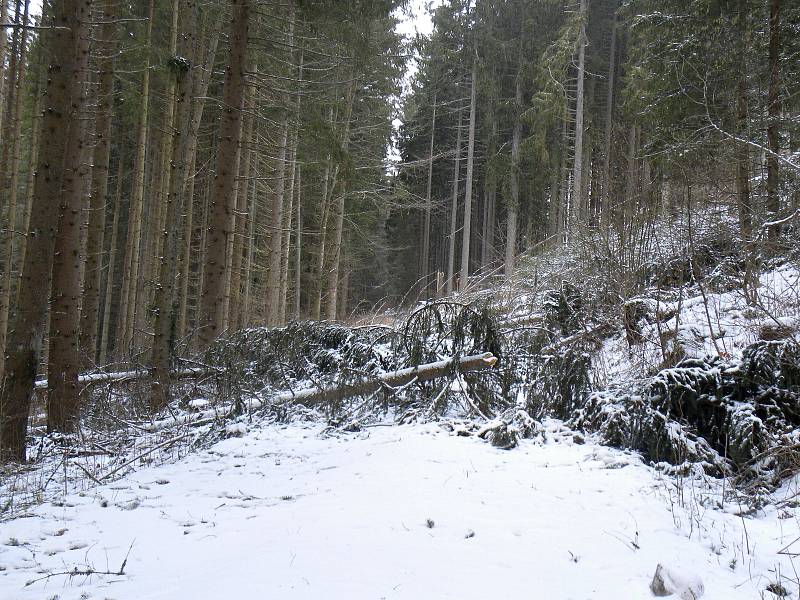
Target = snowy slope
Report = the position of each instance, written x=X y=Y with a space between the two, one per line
x=717 y=324
x=290 y=512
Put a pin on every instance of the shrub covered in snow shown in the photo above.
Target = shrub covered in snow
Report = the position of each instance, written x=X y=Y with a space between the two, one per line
x=728 y=416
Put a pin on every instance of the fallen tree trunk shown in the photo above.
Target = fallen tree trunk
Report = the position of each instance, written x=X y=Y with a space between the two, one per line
x=120 y=376
x=402 y=377
x=311 y=396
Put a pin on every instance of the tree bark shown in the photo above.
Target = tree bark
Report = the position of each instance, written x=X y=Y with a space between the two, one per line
x=451 y=255
x=577 y=177
x=774 y=113
x=466 y=236
x=401 y=377
x=605 y=215
x=199 y=93
x=220 y=225
x=99 y=198
x=426 y=231
x=165 y=301
x=10 y=186
x=247 y=302
x=287 y=234
x=68 y=51
x=273 y=296
x=742 y=149
x=242 y=217
x=338 y=209
x=490 y=195
x=298 y=247
x=513 y=204
x=111 y=269
x=130 y=270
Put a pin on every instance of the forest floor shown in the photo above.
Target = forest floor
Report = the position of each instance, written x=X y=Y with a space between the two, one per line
x=415 y=511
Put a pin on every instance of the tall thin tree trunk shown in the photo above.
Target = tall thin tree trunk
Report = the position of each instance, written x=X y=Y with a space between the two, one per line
x=466 y=237
x=774 y=112
x=287 y=234
x=319 y=266
x=130 y=270
x=247 y=301
x=426 y=231
x=742 y=149
x=11 y=186
x=164 y=300
x=199 y=93
x=489 y=194
x=606 y=206
x=298 y=247
x=67 y=48
x=513 y=204
x=155 y=202
x=3 y=47
x=338 y=209
x=242 y=197
x=220 y=223
x=111 y=269
x=36 y=135
x=273 y=296
x=99 y=193
x=9 y=76
x=451 y=255
x=577 y=177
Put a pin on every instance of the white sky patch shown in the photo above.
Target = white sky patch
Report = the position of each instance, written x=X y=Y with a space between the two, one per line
x=415 y=19
x=35 y=8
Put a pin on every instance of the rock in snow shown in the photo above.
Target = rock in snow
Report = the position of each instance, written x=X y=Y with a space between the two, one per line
x=669 y=582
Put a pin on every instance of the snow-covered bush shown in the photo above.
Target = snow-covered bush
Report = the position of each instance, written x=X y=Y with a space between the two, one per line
x=728 y=416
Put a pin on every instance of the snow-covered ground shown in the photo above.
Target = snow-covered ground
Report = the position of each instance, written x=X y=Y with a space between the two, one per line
x=414 y=512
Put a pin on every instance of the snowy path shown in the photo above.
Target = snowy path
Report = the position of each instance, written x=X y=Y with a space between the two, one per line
x=286 y=513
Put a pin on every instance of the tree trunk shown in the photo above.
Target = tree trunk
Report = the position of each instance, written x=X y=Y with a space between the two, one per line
x=513 y=204
x=605 y=209
x=242 y=197
x=3 y=46
x=11 y=186
x=99 y=198
x=319 y=267
x=10 y=74
x=774 y=112
x=273 y=296
x=577 y=177
x=199 y=93
x=36 y=136
x=165 y=300
x=111 y=269
x=742 y=149
x=490 y=195
x=68 y=54
x=338 y=215
x=467 y=229
x=220 y=222
x=451 y=255
x=246 y=319
x=287 y=234
x=130 y=270
x=298 y=247
x=426 y=231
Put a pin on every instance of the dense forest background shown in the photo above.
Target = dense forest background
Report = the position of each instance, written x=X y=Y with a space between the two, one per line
x=173 y=171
